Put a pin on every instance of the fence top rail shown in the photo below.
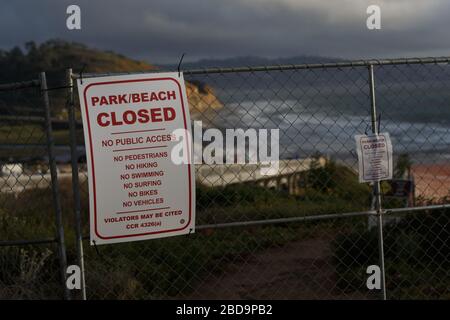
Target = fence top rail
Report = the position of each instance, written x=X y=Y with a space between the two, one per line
x=19 y=85
x=341 y=64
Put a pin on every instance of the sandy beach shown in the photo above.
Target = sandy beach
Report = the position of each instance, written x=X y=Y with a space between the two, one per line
x=432 y=181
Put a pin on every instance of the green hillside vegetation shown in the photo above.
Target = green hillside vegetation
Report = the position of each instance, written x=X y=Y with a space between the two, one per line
x=173 y=267
x=56 y=56
x=140 y=270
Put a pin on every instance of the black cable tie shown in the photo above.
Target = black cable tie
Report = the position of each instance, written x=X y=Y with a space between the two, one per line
x=179 y=64
x=365 y=131
x=96 y=250
x=379 y=122
x=81 y=78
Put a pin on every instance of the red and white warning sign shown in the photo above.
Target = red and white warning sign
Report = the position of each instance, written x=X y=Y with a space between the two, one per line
x=374 y=157
x=131 y=125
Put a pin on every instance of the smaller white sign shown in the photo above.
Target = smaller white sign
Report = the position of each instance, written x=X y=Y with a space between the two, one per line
x=374 y=156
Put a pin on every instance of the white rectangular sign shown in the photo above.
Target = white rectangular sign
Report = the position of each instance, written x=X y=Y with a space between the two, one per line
x=132 y=123
x=374 y=156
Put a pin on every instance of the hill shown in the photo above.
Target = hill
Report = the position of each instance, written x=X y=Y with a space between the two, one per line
x=54 y=56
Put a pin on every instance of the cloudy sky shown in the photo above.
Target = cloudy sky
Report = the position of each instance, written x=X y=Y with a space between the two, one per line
x=160 y=30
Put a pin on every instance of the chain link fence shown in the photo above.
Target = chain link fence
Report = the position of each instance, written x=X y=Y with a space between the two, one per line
x=28 y=247
x=308 y=232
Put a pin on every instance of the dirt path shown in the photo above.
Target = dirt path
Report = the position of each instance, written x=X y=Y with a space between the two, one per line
x=298 y=270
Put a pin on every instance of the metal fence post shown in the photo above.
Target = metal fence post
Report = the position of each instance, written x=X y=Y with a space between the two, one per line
x=75 y=181
x=376 y=186
x=55 y=188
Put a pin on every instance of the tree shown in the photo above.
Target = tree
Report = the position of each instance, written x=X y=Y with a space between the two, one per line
x=402 y=166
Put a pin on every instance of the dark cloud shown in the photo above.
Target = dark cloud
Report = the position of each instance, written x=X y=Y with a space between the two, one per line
x=160 y=30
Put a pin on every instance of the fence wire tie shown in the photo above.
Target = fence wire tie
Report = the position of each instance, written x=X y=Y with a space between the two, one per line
x=81 y=75
x=96 y=250
x=179 y=64
x=379 y=122
x=367 y=127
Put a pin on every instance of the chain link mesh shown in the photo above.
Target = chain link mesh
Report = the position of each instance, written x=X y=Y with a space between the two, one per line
x=245 y=246
x=28 y=255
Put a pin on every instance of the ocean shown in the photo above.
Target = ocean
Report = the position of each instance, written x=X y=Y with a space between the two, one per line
x=329 y=129
x=321 y=110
